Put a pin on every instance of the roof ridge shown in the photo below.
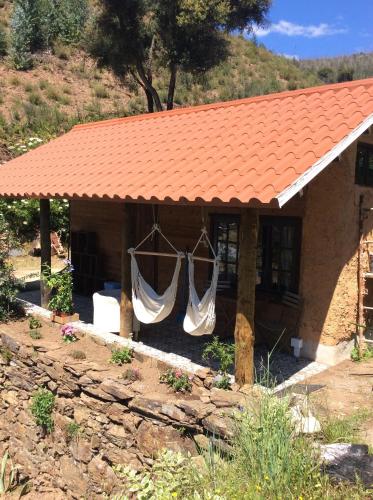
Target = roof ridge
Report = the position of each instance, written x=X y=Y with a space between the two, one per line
x=224 y=104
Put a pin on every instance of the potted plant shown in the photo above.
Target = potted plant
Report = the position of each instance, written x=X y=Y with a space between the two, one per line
x=61 y=285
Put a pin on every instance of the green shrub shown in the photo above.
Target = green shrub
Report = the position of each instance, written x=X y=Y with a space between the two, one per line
x=9 y=285
x=35 y=98
x=171 y=476
x=52 y=93
x=100 y=91
x=34 y=323
x=177 y=380
x=223 y=353
x=73 y=430
x=3 y=42
x=121 y=356
x=61 y=285
x=367 y=353
x=6 y=354
x=42 y=405
x=35 y=334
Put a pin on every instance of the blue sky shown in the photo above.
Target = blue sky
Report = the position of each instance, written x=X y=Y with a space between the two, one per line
x=317 y=28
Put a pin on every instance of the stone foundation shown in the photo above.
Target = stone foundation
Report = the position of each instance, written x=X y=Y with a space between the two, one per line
x=118 y=424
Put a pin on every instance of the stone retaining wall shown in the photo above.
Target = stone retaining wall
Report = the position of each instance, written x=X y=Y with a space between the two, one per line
x=117 y=423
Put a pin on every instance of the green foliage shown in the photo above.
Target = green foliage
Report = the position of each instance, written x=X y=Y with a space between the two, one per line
x=35 y=334
x=73 y=430
x=221 y=352
x=42 y=405
x=177 y=380
x=344 y=429
x=367 y=353
x=61 y=284
x=8 y=475
x=65 y=20
x=121 y=356
x=34 y=323
x=3 y=42
x=6 y=354
x=267 y=461
x=134 y=38
x=9 y=285
x=79 y=355
x=342 y=68
x=171 y=476
x=37 y=24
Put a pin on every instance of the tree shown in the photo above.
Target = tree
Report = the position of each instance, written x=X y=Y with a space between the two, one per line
x=37 y=24
x=345 y=74
x=132 y=37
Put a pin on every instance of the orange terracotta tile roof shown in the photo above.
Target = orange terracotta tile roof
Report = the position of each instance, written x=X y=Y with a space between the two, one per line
x=262 y=149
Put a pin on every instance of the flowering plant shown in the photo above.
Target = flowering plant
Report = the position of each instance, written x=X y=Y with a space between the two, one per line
x=61 y=284
x=177 y=380
x=68 y=334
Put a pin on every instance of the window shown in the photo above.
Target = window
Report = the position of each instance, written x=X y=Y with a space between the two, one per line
x=278 y=254
x=225 y=238
x=364 y=165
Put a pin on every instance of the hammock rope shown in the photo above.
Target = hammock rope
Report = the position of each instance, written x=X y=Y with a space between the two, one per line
x=200 y=316
x=150 y=307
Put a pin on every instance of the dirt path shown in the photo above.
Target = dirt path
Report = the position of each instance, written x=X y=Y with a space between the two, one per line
x=347 y=389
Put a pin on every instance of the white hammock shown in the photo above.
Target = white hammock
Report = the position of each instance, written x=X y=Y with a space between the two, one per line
x=200 y=315
x=148 y=306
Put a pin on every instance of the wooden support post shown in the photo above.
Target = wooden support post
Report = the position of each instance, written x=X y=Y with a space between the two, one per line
x=45 y=248
x=244 y=329
x=126 y=308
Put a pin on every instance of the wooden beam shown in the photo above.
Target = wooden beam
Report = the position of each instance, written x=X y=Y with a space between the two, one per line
x=45 y=248
x=126 y=308
x=244 y=329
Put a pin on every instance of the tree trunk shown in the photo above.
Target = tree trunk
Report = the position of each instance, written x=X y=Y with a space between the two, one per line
x=171 y=87
x=126 y=308
x=150 y=101
x=45 y=247
x=149 y=87
x=244 y=329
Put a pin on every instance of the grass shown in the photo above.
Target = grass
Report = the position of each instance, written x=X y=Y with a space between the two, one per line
x=344 y=429
x=35 y=334
x=78 y=354
x=367 y=354
x=52 y=94
x=35 y=98
x=266 y=461
x=100 y=91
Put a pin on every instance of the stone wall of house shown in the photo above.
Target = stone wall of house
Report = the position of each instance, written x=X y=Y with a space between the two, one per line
x=329 y=260
x=118 y=424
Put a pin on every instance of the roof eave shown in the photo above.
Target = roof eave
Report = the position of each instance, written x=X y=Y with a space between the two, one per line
x=323 y=162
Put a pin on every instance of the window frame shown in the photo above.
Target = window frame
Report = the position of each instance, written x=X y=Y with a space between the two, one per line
x=267 y=279
x=363 y=180
x=227 y=219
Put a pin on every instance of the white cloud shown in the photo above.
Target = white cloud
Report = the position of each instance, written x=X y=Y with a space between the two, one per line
x=292 y=29
x=290 y=56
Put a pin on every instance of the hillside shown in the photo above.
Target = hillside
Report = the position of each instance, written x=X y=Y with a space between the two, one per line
x=65 y=87
x=334 y=69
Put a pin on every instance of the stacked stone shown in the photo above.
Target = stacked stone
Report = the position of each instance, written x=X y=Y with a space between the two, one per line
x=119 y=423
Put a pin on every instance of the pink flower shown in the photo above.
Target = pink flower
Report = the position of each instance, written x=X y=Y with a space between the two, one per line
x=67 y=330
x=178 y=373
